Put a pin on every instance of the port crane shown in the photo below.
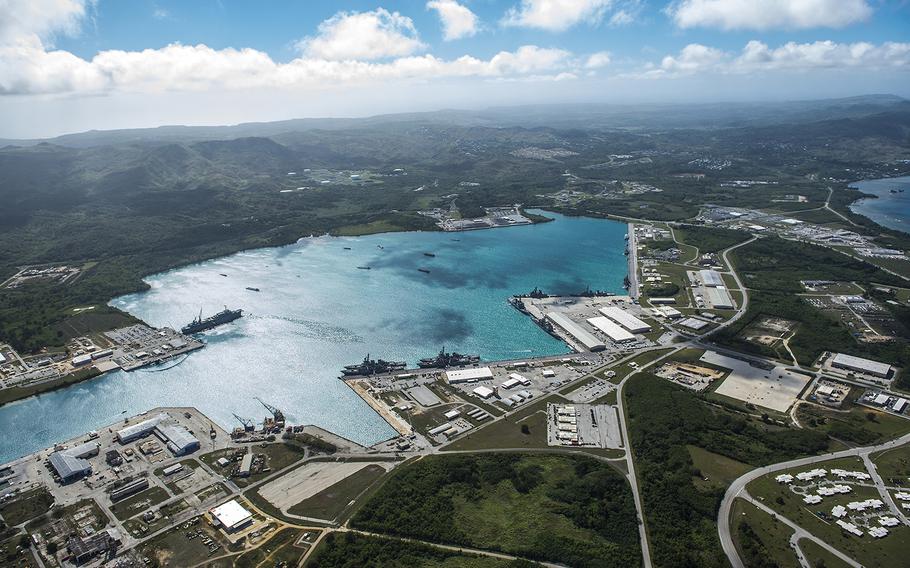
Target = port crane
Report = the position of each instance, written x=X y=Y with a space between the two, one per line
x=248 y=424
x=277 y=419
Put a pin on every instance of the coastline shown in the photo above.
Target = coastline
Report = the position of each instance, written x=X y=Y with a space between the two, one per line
x=337 y=232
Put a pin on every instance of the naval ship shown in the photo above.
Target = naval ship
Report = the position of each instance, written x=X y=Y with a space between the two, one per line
x=372 y=367
x=443 y=360
x=199 y=324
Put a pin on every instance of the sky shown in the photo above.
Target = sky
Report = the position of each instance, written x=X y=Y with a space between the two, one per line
x=76 y=65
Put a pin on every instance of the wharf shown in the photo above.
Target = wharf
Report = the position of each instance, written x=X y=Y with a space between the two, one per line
x=632 y=247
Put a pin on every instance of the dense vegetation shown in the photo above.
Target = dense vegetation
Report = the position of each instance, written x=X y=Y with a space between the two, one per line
x=663 y=420
x=352 y=550
x=137 y=202
x=709 y=239
x=572 y=510
x=772 y=269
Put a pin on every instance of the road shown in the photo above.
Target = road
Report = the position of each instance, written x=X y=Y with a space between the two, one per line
x=738 y=489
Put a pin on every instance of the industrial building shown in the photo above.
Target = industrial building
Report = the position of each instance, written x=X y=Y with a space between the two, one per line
x=246 y=465
x=468 y=375
x=177 y=439
x=587 y=340
x=71 y=464
x=711 y=278
x=655 y=301
x=231 y=516
x=611 y=329
x=84 y=549
x=719 y=298
x=625 y=319
x=693 y=324
x=139 y=430
x=860 y=365
x=130 y=488
x=483 y=392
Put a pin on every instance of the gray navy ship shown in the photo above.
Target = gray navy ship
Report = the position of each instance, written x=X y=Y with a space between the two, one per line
x=199 y=324
x=372 y=367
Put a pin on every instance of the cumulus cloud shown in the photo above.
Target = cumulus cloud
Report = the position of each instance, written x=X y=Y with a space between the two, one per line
x=458 y=21
x=364 y=36
x=597 y=60
x=757 y=56
x=768 y=14
x=556 y=15
x=386 y=53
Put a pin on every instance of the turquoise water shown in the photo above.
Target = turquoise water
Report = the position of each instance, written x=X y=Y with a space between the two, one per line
x=890 y=210
x=317 y=312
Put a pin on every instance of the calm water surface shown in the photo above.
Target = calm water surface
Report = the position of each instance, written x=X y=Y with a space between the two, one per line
x=890 y=210
x=317 y=312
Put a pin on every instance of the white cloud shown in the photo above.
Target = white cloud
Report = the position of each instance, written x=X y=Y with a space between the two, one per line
x=29 y=20
x=556 y=15
x=597 y=60
x=768 y=14
x=160 y=14
x=458 y=21
x=757 y=57
x=27 y=66
x=364 y=36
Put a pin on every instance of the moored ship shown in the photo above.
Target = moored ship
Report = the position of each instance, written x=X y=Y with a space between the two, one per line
x=199 y=324
x=372 y=367
x=443 y=360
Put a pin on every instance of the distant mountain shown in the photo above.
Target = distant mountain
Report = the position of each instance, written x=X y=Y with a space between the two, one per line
x=563 y=116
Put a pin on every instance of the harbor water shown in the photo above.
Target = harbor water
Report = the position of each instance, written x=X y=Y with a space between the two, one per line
x=891 y=206
x=316 y=311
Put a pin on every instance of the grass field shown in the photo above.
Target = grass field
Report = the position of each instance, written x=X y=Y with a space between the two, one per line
x=507 y=432
x=279 y=456
x=716 y=471
x=139 y=502
x=11 y=554
x=853 y=426
x=278 y=549
x=173 y=548
x=768 y=537
x=331 y=502
x=567 y=509
x=873 y=553
x=640 y=360
x=27 y=506
x=818 y=556
x=352 y=550
x=894 y=465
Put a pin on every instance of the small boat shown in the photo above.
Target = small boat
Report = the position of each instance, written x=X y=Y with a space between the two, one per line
x=347 y=248
x=251 y=289
x=380 y=247
x=424 y=270
x=225 y=275
x=363 y=267
x=429 y=254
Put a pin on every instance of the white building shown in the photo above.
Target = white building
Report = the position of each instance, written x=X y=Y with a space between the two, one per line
x=625 y=319
x=860 y=365
x=711 y=278
x=586 y=339
x=719 y=298
x=611 y=329
x=483 y=392
x=231 y=516
x=468 y=375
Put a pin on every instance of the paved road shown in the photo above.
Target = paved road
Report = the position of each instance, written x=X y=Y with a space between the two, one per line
x=800 y=533
x=738 y=488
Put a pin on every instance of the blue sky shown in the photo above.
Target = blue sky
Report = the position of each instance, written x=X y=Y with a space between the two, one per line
x=76 y=64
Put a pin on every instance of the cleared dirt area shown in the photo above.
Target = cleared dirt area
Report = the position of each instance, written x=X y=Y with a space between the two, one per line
x=310 y=479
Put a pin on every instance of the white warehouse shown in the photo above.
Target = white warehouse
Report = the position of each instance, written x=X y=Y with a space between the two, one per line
x=860 y=365
x=468 y=375
x=612 y=329
x=587 y=340
x=625 y=319
x=711 y=278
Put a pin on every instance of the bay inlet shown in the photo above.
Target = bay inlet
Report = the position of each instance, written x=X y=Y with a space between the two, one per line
x=316 y=311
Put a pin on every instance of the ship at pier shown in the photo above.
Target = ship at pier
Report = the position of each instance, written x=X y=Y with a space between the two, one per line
x=443 y=360
x=199 y=324
x=372 y=367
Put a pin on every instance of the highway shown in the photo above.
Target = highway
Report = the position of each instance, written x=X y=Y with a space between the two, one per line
x=738 y=489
